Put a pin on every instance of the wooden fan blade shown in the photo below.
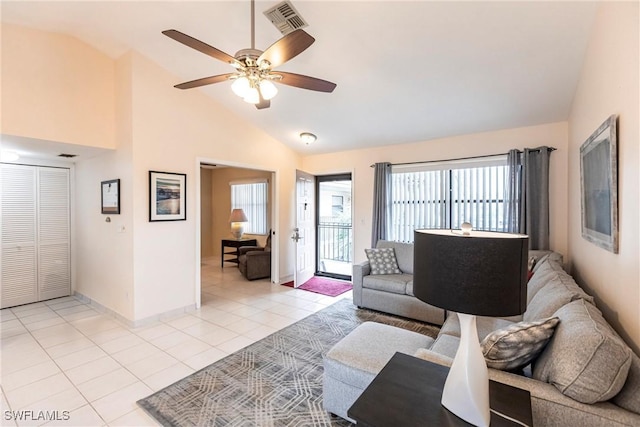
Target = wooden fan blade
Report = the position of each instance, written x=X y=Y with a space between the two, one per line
x=286 y=48
x=305 y=82
x=199 y=46
x=204 y=81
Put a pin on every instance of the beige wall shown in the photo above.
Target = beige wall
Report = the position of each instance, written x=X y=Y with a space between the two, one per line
x=172 y=129
x=104 y=250
x=206 y=214
x=56 y=88
x=358 y=162
x=221 y=179
x=609 y=85
x=134 y=267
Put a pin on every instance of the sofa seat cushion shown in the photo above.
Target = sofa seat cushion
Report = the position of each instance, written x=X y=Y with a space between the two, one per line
x=629 y=396
x=586 y=360
x=357 y=358
x=409 y=290
x=515 y=346
x=394 y=283
x=484 y=325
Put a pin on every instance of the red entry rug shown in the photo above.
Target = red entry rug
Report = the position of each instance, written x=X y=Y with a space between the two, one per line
x=325 y=286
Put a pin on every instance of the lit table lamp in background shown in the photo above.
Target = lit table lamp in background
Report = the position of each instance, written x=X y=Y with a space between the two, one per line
x=237 y=220
x=473 y=273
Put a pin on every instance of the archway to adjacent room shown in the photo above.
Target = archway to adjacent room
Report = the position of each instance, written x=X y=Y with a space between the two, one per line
x=214 y=182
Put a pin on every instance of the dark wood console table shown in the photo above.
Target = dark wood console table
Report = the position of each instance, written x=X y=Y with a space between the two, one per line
x=408 y=390
x=236 y=244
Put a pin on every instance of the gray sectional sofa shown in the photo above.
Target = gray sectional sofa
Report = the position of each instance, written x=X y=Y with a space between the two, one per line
x=393 y=293
x=585 y=376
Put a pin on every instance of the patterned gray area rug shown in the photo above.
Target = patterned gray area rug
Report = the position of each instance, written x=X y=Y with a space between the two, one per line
x=276 y=381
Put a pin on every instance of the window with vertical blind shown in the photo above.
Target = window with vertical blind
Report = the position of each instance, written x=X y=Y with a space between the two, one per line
x=446 y=194
x=252 y=198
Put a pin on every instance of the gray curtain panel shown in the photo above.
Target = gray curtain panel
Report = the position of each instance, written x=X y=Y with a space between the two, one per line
x=535 y=189
x=527 y=195
x=381 y=200
x=513 y=193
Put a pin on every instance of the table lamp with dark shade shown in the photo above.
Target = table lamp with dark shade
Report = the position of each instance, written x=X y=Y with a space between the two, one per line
x=473 y=273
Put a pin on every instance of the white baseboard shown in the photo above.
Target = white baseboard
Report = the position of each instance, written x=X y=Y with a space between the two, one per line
x=133 y=323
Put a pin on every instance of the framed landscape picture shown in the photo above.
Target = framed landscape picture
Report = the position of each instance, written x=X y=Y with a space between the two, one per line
x=167 y=196
x=599 y=186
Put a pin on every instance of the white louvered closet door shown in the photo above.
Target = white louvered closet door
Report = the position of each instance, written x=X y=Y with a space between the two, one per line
x=35 y=234
x=19 y=258
x=54 y=275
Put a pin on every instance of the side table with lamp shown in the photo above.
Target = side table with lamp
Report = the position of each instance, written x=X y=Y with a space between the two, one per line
x=471 y=273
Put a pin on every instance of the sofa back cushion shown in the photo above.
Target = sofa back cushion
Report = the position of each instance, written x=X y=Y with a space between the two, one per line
x=559 y=289
x=540 y=278
x=404 y=254
x=585 y=359
x=543 y=256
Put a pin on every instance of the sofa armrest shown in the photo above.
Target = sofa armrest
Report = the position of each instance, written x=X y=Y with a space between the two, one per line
x=432 y=356
x=551 y=407
x=244 y=249
x=258 y=254
x=359 y=271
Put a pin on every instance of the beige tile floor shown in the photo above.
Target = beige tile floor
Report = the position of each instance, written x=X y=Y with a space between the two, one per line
x=62 y=355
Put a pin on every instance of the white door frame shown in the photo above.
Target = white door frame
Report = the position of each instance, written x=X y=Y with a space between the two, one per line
x=275 y=211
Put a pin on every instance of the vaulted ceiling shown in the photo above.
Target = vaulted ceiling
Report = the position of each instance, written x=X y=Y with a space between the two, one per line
x=406 y=71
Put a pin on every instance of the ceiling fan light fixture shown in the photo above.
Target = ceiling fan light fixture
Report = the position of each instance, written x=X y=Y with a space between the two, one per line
x=252 y=96
x=241 y=86
x=268 y=89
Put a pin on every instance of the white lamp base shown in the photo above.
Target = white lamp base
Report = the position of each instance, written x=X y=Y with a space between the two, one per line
x=237 y=229
x=466 y=390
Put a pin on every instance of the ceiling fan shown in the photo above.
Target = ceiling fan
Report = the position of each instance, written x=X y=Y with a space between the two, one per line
x=254 y=76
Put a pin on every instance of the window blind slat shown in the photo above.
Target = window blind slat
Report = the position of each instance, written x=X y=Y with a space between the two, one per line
x=252 y=198
x=446 y=197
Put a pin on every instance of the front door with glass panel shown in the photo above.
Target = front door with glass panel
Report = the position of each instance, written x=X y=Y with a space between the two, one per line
x=334 y=226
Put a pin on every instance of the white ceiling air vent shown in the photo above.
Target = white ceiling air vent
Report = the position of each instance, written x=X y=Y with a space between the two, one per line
x=285 y=17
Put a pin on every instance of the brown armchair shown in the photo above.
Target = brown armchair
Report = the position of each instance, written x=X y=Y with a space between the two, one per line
x=254 y=262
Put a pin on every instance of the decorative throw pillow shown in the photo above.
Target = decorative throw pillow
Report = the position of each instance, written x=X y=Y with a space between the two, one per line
x=383 y=261
x=517 y=345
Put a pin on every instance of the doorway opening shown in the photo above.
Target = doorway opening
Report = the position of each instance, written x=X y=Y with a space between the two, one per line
x=217 y=259
x=334 y=229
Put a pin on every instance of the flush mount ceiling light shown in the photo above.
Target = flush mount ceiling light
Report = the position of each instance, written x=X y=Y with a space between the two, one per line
x=307 y=137
x=9 y=156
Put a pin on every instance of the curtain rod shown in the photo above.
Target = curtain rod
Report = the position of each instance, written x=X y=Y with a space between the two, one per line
x=550 y=149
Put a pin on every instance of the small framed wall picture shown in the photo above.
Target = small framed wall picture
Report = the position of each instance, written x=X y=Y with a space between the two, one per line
x=167 y=196
x=110 y=196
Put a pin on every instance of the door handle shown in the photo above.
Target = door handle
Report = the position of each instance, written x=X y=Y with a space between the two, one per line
x=296 y=235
